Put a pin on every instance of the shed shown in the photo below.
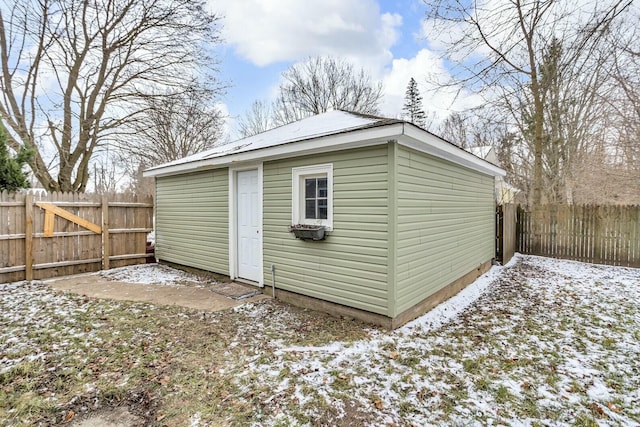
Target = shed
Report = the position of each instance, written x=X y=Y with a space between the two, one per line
x=409 y=217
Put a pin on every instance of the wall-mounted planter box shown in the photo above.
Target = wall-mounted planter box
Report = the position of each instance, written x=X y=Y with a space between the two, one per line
x=307 y=232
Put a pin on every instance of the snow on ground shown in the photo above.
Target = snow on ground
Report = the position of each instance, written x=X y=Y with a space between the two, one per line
x=151 y=237
x=537 y=341
x=152 y=274
x=448 y=310
x=148 y=274
x=27 y=309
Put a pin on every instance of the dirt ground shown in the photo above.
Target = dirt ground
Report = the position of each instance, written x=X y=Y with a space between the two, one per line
x=212 y=297
x=111 y=417
x=537 y=341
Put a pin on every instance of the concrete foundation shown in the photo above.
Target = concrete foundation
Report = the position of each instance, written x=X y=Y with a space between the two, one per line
x=414 y=312
x=343 y=311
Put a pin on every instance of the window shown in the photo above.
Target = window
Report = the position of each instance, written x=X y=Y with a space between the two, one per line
x=315 y=198
x=312 y=195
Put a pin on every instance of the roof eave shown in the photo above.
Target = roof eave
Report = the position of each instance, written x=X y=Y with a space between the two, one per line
x=426 y=142
x=407 y=134
x=346 y=140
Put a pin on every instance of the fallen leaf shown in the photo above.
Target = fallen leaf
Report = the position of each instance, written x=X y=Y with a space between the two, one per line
x=160 y=417
x=378 y=404
x=614 y=407
x=597 y=409
x=69 y=416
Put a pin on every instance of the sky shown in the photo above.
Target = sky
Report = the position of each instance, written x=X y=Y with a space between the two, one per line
x=262 y=38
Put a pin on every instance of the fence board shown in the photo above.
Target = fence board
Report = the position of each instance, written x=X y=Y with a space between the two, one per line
x=28 y=237
x=11 y=250
x=506 y=225
x=596 y=234
x=72 y=249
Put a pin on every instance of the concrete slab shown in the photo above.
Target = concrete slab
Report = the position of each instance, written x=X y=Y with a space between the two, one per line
x=201 y=297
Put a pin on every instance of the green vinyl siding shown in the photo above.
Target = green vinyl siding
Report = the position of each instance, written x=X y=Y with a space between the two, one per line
x=192 y=220
x=445 y=224
x=350 y=266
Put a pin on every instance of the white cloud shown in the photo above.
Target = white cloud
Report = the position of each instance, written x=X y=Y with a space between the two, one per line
x=426 y=68
x=229 y=123
x=289 y=30
x=267 y=32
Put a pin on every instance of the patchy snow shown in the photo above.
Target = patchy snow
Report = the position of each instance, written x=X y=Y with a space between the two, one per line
x=153 y=274
x=195 y=420
x=151 y=238
x=312 y=127
x=434 y=319
x=537 y=341
x=44 y=311
x=449 y=309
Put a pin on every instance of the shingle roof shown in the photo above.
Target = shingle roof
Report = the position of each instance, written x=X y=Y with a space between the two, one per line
x=333 y=130
x=330 y=123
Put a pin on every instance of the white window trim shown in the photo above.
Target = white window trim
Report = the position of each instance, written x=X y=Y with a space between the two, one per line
x=297 y=196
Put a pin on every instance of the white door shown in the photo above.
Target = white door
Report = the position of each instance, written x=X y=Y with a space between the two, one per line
x=248 y=220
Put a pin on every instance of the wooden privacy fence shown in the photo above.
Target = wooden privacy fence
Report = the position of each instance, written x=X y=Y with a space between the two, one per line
x=597 y=234
x=505 y=232
x=58 y=234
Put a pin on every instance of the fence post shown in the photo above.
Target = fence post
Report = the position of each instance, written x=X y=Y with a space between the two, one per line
x=499 y=233
x=518 y=229
x=598 y=236
x=28 y=237
x=105 y=233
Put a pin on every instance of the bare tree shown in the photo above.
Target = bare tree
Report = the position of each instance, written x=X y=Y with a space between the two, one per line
x=259 y=118
x=106 y=175
x=172 y=126
x=625 y=101
x=139 y=184
x=573 y=91
x=316 y=86
x=455 y=128
x=73 y=71
x=501 y=49
x=321 y=84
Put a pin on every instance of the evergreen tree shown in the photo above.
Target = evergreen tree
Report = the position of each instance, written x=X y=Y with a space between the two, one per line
x=412 y=108
x=12 y=178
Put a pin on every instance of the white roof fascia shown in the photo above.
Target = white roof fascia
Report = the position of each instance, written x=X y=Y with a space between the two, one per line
x=425 y=142
x=339 y=141
x=406 y=134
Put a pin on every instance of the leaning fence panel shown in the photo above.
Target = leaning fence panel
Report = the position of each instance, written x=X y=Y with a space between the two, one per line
x=57 y=234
